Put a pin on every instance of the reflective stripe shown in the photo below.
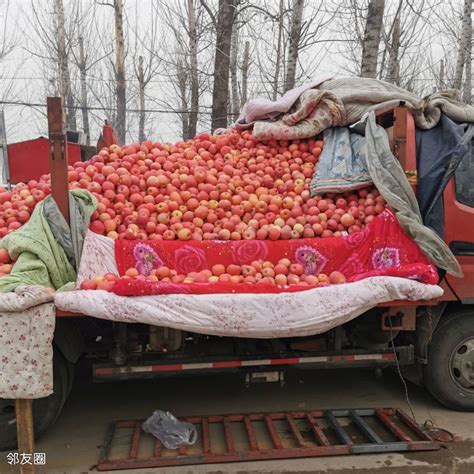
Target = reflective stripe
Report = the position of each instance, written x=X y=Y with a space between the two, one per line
x=203 y=365
x=256 y=362
x=368 y=357
x=136 y=368
x=240 y=363
x=313 y=359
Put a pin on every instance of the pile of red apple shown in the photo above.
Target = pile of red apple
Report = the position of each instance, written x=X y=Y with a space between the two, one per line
x=6 y=263
x=284 y=273
x=211 y=187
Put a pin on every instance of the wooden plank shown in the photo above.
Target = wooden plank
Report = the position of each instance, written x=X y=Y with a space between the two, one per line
x=58 y=156
x=25 y=433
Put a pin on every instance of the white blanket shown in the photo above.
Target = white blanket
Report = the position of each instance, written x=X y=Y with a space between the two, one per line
x=250 y=315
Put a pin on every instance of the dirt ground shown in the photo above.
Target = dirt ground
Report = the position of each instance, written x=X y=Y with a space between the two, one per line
x=72 y=446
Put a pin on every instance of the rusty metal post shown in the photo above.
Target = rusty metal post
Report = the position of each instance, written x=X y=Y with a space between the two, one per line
x=58 y=155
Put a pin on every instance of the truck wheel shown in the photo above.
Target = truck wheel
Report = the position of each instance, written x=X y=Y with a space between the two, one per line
x=449 y=374
x=45 y=410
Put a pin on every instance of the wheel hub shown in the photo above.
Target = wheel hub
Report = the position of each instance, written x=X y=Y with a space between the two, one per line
x=462 y=364
x=7 y=412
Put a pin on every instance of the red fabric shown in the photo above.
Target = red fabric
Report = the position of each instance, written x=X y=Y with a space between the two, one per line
x=381 y=249
x=131 y=287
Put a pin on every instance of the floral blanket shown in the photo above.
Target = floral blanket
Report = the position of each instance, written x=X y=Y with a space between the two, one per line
x=313 y=112
x=27 y=320
x=248 y=315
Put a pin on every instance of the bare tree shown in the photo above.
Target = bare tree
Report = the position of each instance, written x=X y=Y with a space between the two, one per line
x=442 y=80
x=220 y=94
x=393 y=69
x=270 y=49
x=188 y=62
x=193 y=62
x=371 y=42
x=465 y=41
x=183 y=86
x=467 y=91
x=294 y=40
x=64 y=79
x=245 y=74
x=82 y=65
x=7 y=41
x=53 y=35
x=120 y=72
x=146 y=46
x=234 y=86
x=141 y=85
x=281 y=11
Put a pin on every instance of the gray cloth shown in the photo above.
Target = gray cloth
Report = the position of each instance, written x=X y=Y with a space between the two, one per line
x=342 y=165
x=71 y=238
x=390 y=180
x=362 y=95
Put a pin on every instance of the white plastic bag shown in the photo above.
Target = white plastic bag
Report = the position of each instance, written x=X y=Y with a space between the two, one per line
x=169 y=430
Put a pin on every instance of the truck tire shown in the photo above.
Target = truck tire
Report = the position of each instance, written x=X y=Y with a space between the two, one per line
x=45 y=410
x=449 y=374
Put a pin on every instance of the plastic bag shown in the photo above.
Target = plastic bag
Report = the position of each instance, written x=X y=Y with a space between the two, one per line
x=169 y=430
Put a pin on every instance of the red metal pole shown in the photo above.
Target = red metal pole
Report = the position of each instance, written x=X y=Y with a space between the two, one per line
x=58 y=155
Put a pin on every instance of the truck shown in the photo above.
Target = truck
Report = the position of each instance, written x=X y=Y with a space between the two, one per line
x=431 y=342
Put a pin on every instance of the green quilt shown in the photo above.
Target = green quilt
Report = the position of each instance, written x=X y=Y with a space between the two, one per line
x=40 y=258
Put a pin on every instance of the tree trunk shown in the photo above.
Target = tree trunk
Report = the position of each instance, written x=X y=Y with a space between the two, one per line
x=441 y=79
x=393 y=72
x=193 y=116
x=276 y=77
x=83 y=77
x=466 y=39
x=141 y=98
x=245 y=74
x=467 y=93
x=121 y=88
x=64 y=78
x=220 y=93
x=294 y=43
x=371 y=41
x=182 y=85
x=234 y=51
